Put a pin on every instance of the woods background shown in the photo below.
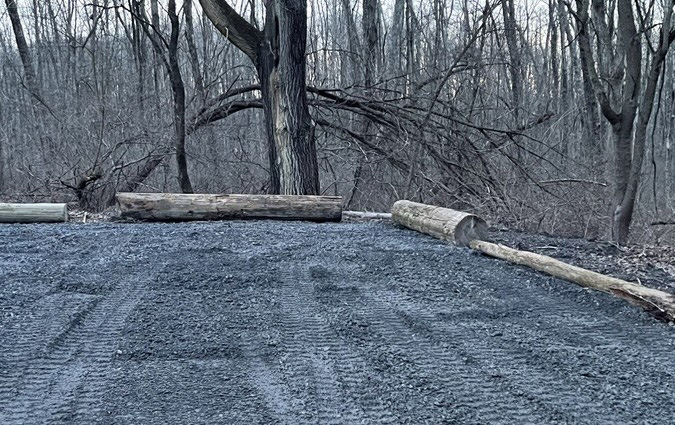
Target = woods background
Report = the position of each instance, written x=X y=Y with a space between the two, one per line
x=504 y=108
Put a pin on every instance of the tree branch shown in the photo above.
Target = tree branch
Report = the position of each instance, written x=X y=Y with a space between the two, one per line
x=237 y=29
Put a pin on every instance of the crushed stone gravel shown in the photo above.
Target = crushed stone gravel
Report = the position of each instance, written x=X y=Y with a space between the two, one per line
x=297 y=323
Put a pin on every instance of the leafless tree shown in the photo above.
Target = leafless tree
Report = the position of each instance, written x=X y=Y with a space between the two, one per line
x=521 y=112
x=278 y=53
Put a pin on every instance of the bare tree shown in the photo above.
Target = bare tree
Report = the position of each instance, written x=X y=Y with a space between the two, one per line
x=30 y=78
x=278 y=53
x=167 y=52
x=625 y=101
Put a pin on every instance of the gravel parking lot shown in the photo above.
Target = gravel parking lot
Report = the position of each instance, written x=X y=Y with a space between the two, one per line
x=292 y=322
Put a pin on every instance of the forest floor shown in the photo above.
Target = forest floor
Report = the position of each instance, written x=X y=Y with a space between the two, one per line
x=291 y=322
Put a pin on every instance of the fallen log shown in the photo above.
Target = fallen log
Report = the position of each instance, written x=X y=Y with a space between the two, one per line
x=184 y=207
x=465 y=229
x=660 y=303
x=33 y=213
x=455 y=226
x=365 y=215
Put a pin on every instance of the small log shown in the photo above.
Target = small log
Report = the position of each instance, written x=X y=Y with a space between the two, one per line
x=365 y=215
x=457 y=227
x=659 y=303
x=33 y=213
x=184 y=207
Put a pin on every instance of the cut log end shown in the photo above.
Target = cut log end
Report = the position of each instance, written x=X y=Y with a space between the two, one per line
x=470 y=228
x=457 y=227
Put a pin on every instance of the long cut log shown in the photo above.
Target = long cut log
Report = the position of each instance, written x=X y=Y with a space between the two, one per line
x=443 y=223
x=184 y=207
x=659 y=303
x=33 y=213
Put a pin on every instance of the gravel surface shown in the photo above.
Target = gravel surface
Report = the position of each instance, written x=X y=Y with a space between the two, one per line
x=289 y=322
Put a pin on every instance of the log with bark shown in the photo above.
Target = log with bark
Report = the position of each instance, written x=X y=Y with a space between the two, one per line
x=443 y=223
x=184 y=207
x=468 y=230
x=660 y=303
x=33 y=213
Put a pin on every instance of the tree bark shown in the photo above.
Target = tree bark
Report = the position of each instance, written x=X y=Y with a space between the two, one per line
x=24 y=52
x=282 y=78
x=278 y=53
x=181 y=207
x=553 y=34
x=192 y=51
x=515 y=66
x=371 y=54
x=592 y=126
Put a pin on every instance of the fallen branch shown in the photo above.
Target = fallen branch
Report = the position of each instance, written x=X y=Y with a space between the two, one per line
x=582 y=181
x=366 y=215
x=663 y=223
x=465 y=229
x=659 y=303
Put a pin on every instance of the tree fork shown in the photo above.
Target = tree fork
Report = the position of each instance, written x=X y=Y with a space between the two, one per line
x=278 y=53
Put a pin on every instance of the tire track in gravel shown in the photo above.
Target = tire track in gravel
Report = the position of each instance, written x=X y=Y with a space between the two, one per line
x=273 y=322
x=522 y=354
x=513 y=371
x=456 y=379
x=546 y=309
x=408 y=364
x=318 y=376
x=63 y=383
x=52 y=317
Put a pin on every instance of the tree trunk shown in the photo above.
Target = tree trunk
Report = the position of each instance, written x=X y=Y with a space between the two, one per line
x=659 y=303
x=290 y=129
x=442 y=223
x=553 y=34
x=138 y=49
x=624 y=142
x=592 y=127
x=192 y=51
x=625 y=105
x=370 y=41
x=515 y=67
x=33 y=213
x=24 y=52
x=278 y=53
x=632 y=155
x=178 y=90
x=2 y=166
